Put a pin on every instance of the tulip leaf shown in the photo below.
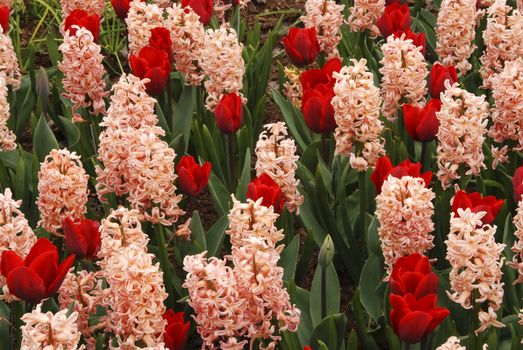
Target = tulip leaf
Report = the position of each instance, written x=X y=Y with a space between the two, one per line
x=301 y=297
x=289 y=258
x=328 y=296
x=19 y=187
x=183 y=114
x=44 y=140
x=215 y=236
x=352 y=343
x=241 y=190
x=330 y=331
x=70 y=130
x=373 y=240
x=294 y=120
x=392 y=339
x=219 y=194
x=372 y=286
x=198 y=233
x=25 y=100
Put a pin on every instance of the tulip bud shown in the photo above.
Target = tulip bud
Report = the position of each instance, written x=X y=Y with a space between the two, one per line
x=517 y=183
x=82 y=19
x=302 y=46
x=153 y=64
x=42 y=86
x=438 y=75
x=265 y=187
x=422 y=124
x=326 y=252
x=475 y=202
x=229 y=113
x=192 y=178
x=176 y=330
x=83 y=238
x=395 y=18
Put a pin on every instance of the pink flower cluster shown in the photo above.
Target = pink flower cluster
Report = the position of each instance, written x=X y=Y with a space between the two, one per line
x=9 y=68
x=517 y=248
x=7 y=138
x=327 y=17
x=363 y=15
x=92 y=7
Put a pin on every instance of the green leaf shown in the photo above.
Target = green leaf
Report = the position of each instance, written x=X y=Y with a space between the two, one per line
x=331 y=331
x=182 y=115
x=19 y=187
x=330 y=295
x=352 y=343
x=294 y=120
x=25 y=102
x=289 y=258
x=44 y=140
x=392 y=339
x=198 y=233
x=241 y=190
x=215 y=235
x=219 y=194
x=52 y=48
x=70 y=130
x=373 y=240
x=371 y=280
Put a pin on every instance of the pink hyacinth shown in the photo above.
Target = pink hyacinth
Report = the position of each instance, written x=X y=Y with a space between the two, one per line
x=141 y=19
x=83 y=72
x=363 y=15
x=92 y=7
x=8 y=61
x=7 y=137
x=517 y=248
x=62 y=187
x=452 y=343
x=327 y=17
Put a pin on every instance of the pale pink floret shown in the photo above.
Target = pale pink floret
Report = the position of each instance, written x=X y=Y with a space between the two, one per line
x=276 y=156
x=363 y=15
x=503 y=39
x=452 y=343
x=141 y=18
x=404 y=210
x=8 y=61
x=404 y=72
x=507 y=113
x=517 y=248
x=356 y=106
x=83 y=72
x=7 y=137
x=187 y=36
x=455 y=33
x=222 y=62
x=92 y=7
x=327 y=17
x=50 y=331
x=62 y=187
x=15 y=234
x=8 y=3
x=476 y=263
x=461 y=135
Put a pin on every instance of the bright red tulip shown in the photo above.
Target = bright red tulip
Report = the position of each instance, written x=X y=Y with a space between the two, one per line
x=418 y=39
x=161 y=39
x=82 y=19
x=317 y=109
x=422 y=123
x=38 y=276
x=323 y=76
x=395 y=18
x=306 y=347
x=476 y=203
x=302 y=46
x=192 y=177
x=438 y=75
x=517 y=183
x=4 y=18
x=413 y=319
x=121 y=7
x=202 y=8
x=412 y=274
x=82 y=238
x=384 y=168
x=265 y=187
x=153 y=64
x=229 y=113
x=176 y=330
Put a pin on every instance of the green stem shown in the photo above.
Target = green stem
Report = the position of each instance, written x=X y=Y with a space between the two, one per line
x=323 y=292
x=170 y=121
x=473 y=339
x=363 y=195
x=424 y=154
x=15 y=317
x=166 y=267
x=230 y=162
x=405 y=345
x=325 y=148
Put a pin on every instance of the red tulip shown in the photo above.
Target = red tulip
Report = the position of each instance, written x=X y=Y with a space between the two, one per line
x=4 y=18
x=517 y=183
x=82 y=19
x=306 y=347
x=229 y=113
x=418 y=39
x=265 y=187
x=202 y=8
x=476 y=203
x=121 y=7
x=302 y=46
x=317 y=109
x=323 y=76
x=161 y=39
x=153 y=64
x=395 y=18
x=412 y=319
x=176 y=330
x=192 y=177
x=438 y=75
x=422 y=123
x=412 y=274
x=38 y=276
x=384 y=168
x=82 y=238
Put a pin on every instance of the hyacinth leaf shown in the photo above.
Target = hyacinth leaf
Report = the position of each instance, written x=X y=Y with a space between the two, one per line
x=352 y=342
x=24 y=103
x=44 y=139
x=219 y=193
x=215 y=235
x=373 y=240
x=52 y=49
x=198 y=233
x=245 y=178
x=70 y=130
x=330 y=331
x=290 y=340
x=289 y=258
x=294 y=121
x=309 y=158
x=301 y=298
x=372 y=286
x=182 y=115
x=20 y=188
x=327 y=296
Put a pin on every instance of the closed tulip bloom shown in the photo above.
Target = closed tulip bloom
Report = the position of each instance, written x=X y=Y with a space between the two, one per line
x=438 y=75
x=192 y=177
x=317 y=109
x=38 y=276
x=489 y=204
x=418 y=39
x=121 y=7
x=82 y=238
x=153 y=64
x=384 y=168
x=302 y=46
x=81 y=19
x=161 y=39
x=412 y=274
x=320 y=76
x=395 y=18
x=176 y=330
x=229 y=113
x=517 y=183
x=422 y=123
x=4 y=18
x=265 y=187
x=203 y=8
x=413 y=319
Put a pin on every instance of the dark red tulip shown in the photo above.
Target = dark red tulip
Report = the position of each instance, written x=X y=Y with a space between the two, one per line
x=153 y=64
x=202 y=8
x=476 y=203
x=517 y=183
x=161 y=39
x=82 y=19
x=395 y=18
x=82 y=238
x=38 y=276
x=317 y=109
x=265 y=187
x=302 y=46
x=412 y=274
x=121 y=7
x=306 y=347
x=422 y=123
x=438 y=75
x=323 y=76
x=229 y=113
x=176 y=330
x=413 y=319
x=418 y=39
x=4 y=18
x=192 y=177
x=384 y=168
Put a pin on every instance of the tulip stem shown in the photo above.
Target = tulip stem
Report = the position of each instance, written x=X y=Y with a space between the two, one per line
x=170 y=121
x=15 y=318
x=425 y=163
x=325 y=148
x=230 y=161
x=164 y=263
x=363 y=195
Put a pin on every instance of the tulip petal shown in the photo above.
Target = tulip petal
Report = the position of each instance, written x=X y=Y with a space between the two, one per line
x=41 y=246
x=26 y=284
x=413 y=326
x=45 y=266
x=427 y=285
x=10 y=261
x=74 y=240
x=60 y=275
